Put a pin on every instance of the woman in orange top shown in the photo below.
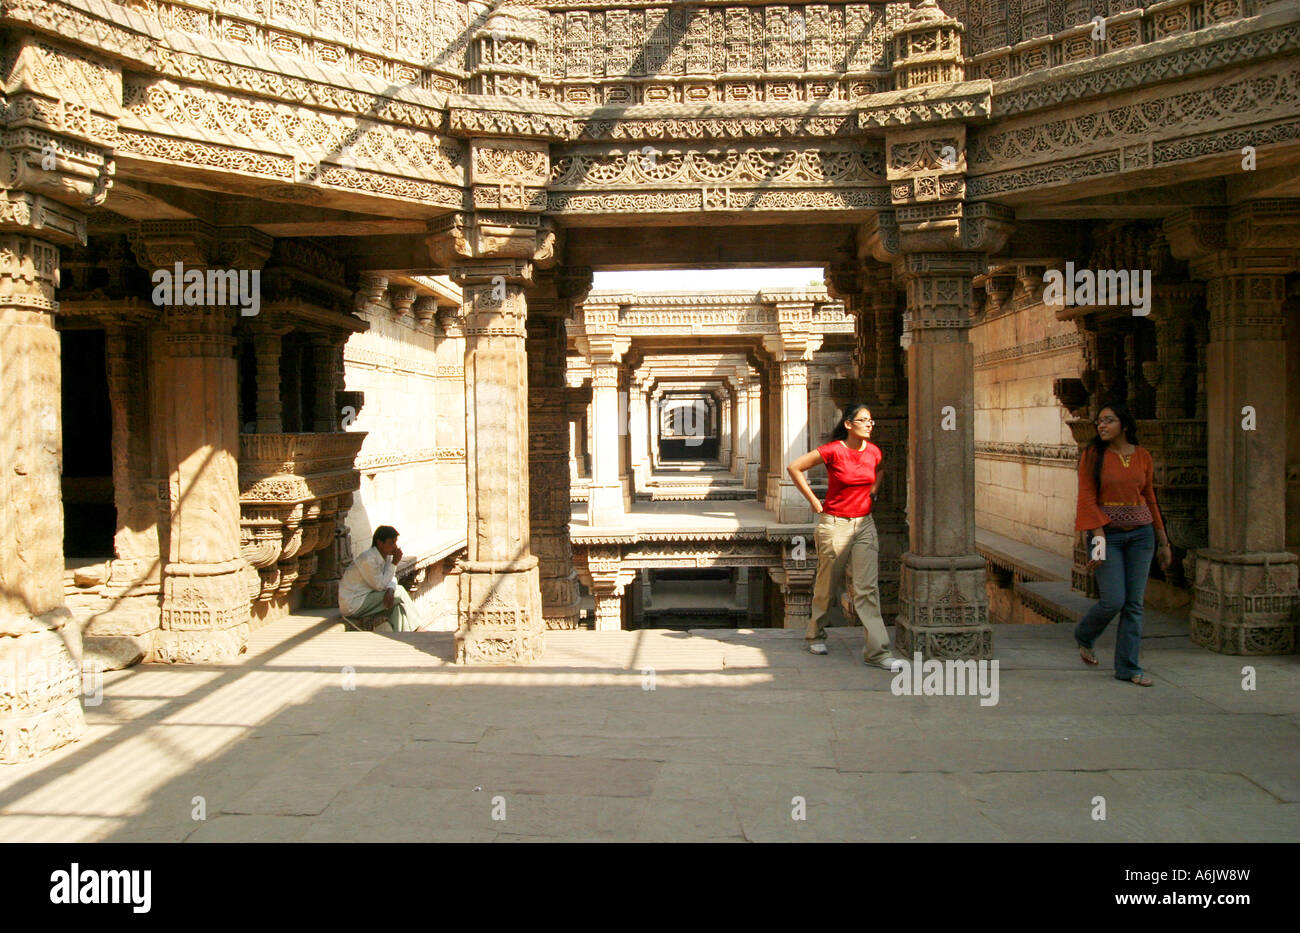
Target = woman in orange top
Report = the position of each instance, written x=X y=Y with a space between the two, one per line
x=1117 y=507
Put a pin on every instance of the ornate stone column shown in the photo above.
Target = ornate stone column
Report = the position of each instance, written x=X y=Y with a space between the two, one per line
x=639 y=432
x=549 y=426
x=724 y=427
x=500 y=611
x=772 y=437
x=608 y=578
x=1245 y=591
x=754 y=422
x=655 y=415
x=327 y=359
x=266 y=350
x=936 y=252
x=876 y=355
x=206 y=584
x=492 y=259
x=792 y=347
x=795 y=581
x=1175 y=306
x=40 y=682
x=604 y=350
x=60 y=113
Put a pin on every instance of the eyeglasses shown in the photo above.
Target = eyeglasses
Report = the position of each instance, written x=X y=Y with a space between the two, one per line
x=1107 y=421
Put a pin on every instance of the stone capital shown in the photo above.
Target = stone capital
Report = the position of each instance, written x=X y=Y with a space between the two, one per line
x=1253 y=237
x=501 y=234
x=160 y=244
x=39 y=216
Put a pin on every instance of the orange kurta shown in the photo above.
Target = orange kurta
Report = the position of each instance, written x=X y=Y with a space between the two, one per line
x=1120 y=486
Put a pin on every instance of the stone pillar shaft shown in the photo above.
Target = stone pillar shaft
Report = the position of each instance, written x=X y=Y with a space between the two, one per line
x=40 y=684
x=1245 y=590
x=270 y=413
x=606 y=503
x=549 y=473
x=500 y=611
x=325 y=364
x=943 y=605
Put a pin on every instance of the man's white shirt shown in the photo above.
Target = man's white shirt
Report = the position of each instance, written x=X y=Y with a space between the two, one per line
x=370 y=571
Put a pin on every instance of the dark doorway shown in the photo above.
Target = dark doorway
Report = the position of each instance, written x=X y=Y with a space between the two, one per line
x=89 y=515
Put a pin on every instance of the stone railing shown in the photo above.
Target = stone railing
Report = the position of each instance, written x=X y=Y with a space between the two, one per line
x=294 y=492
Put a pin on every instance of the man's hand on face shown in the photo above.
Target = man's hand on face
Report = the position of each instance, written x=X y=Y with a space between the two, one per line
x=388 y=599
x=397 y=556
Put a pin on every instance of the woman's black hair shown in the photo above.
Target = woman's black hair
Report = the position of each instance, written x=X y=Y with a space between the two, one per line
x=1127 y=422
x=851 y=410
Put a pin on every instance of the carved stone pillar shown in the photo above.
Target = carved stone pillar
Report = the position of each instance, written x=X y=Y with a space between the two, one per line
x=754 y=419
x=266 y=349
x=206 y=590
x=500 y=610
x=549 y=425
x=40 y=683
x=792 y=347
x=492 y=256
x=292 y=416
x=608 y=578
x=124 y=632
x=772 y=437
x=763 y=433
x=1245 y=593
x=796 y=586
x=1174 y=376
x=880 y=388
x=638 y=433
x=604 y=350
x=606 y=503
x=327 y=358
x=943 y=605
x=724 y=428
x=655 y=415
x=884 y=311
x=60 y=110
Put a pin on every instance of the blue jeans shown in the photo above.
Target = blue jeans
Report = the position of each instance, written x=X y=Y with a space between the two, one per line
x=1122 y=580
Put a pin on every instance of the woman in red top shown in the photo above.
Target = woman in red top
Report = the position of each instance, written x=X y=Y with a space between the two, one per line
x=1117 y=507
x=846 y=532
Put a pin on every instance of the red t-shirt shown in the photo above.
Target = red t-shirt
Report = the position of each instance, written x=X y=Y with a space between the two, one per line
x=851 y=472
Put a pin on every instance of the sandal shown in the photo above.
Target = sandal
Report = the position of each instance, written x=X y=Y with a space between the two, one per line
x=1088 y=657
x=1142 y=680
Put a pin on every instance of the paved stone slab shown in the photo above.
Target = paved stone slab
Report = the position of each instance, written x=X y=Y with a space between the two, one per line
x=322 y=735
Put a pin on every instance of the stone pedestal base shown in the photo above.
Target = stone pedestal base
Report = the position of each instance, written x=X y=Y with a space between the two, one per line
x=40 y=690
x=605 y=504
x=204 y=617
x=560 y=603
x=500 y=615
x=321 y=594
x=120 y=636
x=1245 y=603
x=792 y=508
x=943 y=609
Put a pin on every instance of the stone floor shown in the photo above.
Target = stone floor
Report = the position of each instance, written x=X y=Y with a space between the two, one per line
x=319 y=734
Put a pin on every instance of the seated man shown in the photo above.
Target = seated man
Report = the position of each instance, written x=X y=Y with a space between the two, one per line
x=370 y=583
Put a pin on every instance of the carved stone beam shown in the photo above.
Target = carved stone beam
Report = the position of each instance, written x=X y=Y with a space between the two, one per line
x=62 y=107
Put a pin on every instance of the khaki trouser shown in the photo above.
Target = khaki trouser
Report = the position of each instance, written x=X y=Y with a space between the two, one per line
x=849 y=545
